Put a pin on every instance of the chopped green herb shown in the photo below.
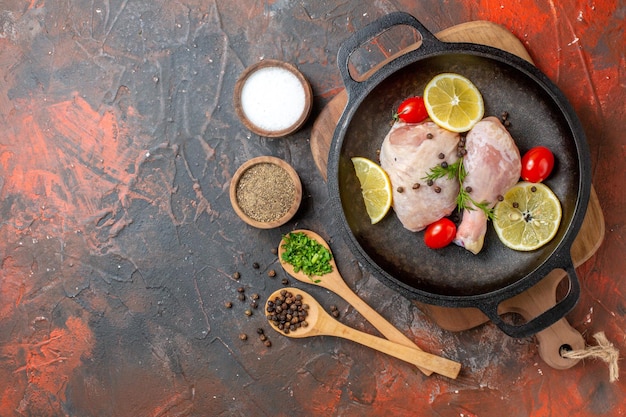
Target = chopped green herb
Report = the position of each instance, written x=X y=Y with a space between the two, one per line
x=463 y=199
x=306 y=255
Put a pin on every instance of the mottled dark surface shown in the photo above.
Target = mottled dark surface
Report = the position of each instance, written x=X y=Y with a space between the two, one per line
x=118 y=242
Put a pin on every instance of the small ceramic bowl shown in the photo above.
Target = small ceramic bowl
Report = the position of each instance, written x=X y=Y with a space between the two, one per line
x=265 y=192
x=272 y=98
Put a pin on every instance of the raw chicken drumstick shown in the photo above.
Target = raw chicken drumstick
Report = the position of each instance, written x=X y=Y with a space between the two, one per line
x=493 y=165
x=407 y=154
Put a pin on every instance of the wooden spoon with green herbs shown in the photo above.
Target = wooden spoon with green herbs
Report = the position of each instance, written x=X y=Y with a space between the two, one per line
x=320 y=323
x=306 y=256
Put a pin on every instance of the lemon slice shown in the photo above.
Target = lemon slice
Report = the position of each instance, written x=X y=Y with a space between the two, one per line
x=375 y=187
x=453 y=102
x=528 y=217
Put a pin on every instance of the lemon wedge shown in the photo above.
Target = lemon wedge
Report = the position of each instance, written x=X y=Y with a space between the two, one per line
x=453 y=102
x=375 y=187
x=528 y=217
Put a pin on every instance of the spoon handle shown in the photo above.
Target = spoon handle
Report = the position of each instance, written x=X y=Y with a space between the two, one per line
x=379 y=322
x=434 y=363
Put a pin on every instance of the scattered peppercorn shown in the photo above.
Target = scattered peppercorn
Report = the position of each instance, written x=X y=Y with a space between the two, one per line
x=243 y=336
x=228 y=304
x=400 y=189
x=262 y=337
x=416 y=186
x=441 y=155
x=255 y=296
x=254 y=304
x=241 y=289
x=268 y=343
x=236 y=275
x=248 y=313
x=271 y=273
x=285 y=281
x=444 y=164
x=275 y=251
x=430 y=182
x=255 y=265
x=260 y=330
x=241 y=297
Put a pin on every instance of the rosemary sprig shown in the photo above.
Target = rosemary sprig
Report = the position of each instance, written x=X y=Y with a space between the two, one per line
x=463 y=200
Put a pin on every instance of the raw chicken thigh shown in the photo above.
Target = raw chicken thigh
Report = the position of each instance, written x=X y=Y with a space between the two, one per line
x=493 y=165
x=407 y=154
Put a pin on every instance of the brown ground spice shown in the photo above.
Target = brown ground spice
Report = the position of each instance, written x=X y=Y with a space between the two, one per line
x=265 y=192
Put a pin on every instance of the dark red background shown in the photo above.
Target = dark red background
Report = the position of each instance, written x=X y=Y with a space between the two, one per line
x=118 y=242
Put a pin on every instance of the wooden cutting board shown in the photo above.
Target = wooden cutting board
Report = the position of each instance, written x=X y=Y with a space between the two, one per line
x=537 y=299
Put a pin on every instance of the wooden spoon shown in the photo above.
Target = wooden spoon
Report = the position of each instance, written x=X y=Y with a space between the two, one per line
x=320 y=323
x=334 y=282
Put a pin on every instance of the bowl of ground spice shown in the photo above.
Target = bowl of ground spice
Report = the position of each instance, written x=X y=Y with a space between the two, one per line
x=265 y=192
x=272 y=98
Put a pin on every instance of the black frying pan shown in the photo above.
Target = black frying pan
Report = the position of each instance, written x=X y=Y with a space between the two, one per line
x=539 y=114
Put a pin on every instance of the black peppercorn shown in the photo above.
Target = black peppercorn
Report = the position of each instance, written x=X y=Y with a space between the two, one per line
x=248 y=313
x=468 y=189
x=416 y=186
x=444 y=164
x=236 y=275
x=500 y=198
x=437 y=189
x=271 y=273
x=241 y=289
x=255 y=265
x=430 y=183
x=267 y=343
x=533 y=188
x=515 y=204
x=228 y=304
x=260 y=330
x=441 y=155
x=241 y=297
x=243 y=336
x=285 y=281
x=400 y=189
x=429 y=136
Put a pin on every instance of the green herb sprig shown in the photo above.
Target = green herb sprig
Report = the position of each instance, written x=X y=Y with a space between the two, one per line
x=463 y=200
x=306 y=255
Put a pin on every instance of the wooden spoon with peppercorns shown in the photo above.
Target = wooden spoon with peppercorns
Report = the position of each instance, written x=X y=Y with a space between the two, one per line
x=334 y=282
x=299 y=315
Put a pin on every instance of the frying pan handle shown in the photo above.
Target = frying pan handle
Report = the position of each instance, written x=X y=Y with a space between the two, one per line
x=371 y=31
x=545 y=319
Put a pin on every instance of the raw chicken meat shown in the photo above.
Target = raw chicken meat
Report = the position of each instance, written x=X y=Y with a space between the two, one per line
x=493 y=165
x=407 y=154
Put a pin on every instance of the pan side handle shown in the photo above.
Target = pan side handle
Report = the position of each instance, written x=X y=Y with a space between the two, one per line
x=371 y=31
x=543 y=320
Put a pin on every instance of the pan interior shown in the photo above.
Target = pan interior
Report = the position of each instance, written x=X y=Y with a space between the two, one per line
x=536 y=119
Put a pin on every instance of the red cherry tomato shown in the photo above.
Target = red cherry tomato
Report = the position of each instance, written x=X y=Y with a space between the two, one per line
x=440 y=234
x=537 y=164
x=411 y=110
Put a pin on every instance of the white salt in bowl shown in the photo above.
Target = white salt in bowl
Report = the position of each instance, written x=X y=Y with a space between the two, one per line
x=272 y=98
